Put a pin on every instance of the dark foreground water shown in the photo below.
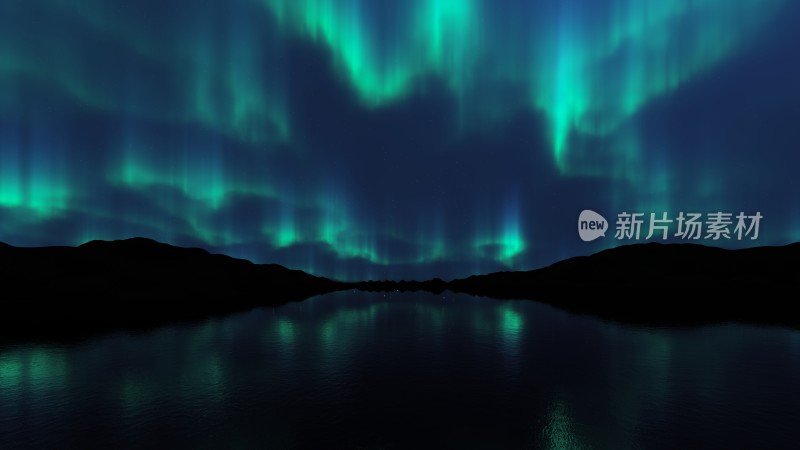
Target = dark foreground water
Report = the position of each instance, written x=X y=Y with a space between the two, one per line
x=369 y=371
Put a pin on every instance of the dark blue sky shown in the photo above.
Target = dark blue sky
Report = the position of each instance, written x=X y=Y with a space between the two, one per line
x=408 y=139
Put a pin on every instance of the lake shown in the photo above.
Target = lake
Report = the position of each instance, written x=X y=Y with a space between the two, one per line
x=406 y=370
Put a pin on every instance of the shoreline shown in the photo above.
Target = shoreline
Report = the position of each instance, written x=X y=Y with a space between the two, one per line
x=139 y=283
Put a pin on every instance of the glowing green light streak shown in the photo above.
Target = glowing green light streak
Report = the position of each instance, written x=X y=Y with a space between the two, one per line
x=589 y=72
x=437 y=38
x=504 y=246
x=662 y=45
x=223 y=87
x=38 y=187
x=196 y=179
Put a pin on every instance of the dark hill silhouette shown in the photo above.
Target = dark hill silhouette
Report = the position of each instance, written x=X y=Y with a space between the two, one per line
x=141 y=282
x=661 y=284
x=136 y=282
x=656 y=284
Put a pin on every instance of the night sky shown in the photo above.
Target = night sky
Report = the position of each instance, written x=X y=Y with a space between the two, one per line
x=394 y=139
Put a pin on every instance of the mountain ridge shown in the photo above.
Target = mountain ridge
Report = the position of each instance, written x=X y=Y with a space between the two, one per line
x=140 y=281
x=137 y=282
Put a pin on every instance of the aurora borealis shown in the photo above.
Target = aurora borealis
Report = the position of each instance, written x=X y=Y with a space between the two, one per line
x=386 y=139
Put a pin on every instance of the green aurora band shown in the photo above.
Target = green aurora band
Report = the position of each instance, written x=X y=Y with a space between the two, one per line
x=192 y=108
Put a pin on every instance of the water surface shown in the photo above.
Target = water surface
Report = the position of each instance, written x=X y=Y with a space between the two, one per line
x=365 y=370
